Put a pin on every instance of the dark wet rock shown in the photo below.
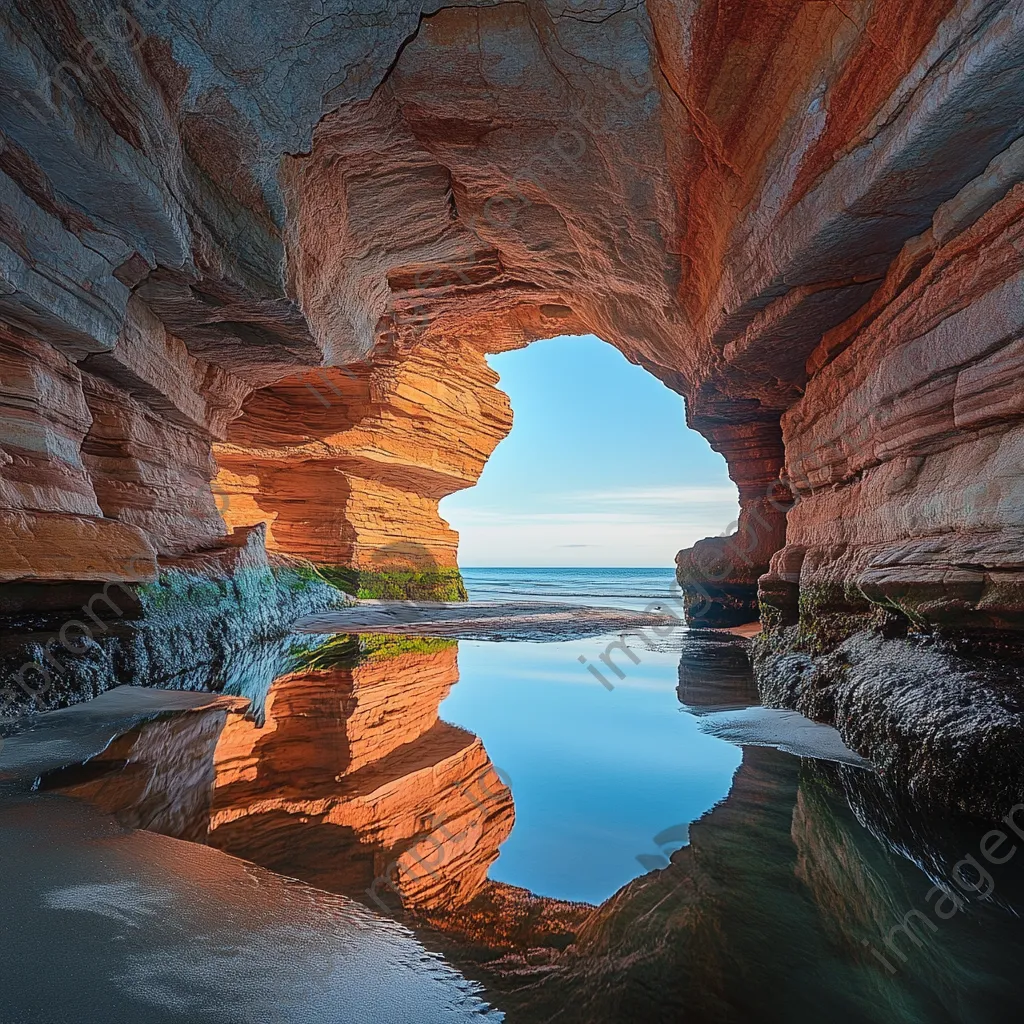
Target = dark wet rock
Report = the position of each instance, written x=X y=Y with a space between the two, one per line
x=943 y=722
x=197 y=626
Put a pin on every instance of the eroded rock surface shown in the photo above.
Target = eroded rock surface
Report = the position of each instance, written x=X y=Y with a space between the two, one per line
x=273 y=248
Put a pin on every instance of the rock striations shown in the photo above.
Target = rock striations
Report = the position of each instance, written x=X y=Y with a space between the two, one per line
x=251 y=263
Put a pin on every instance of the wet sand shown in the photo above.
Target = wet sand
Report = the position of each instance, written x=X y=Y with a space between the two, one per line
x=478 y=620
x=104 y=923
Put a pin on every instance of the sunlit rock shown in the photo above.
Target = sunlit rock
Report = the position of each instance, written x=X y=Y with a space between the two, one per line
x=273 y=249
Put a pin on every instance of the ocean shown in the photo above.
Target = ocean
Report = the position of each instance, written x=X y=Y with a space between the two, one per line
x=634 y=589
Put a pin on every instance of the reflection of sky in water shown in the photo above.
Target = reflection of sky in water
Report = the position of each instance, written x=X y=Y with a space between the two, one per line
x=596 y=775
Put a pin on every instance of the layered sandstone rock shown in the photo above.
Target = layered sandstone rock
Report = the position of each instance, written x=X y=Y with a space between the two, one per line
x=467 y=179
x=800 y=216
x=905 y=450
x=905 y=458
x=51 y=517
x=347 y=466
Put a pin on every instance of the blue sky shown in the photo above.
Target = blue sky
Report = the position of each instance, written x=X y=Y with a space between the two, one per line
x=600 y=468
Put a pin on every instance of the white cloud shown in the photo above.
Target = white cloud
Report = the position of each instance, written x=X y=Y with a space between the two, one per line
x=632 y=526
x=628 y=538
x=694 y=495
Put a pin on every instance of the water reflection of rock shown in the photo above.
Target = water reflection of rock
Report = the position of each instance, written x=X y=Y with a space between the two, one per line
x=779 y=908
x=775 y=911
x=158 y=775
x=714 y=672
x=765 y=918
x=105 y=925
x=353 y=784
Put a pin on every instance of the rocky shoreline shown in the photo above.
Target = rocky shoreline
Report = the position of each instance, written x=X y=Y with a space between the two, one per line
x=941 y=718
x=188 y=629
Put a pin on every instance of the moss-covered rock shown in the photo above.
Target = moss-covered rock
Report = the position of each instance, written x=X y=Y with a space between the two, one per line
x=183 y=630
x=396 y=584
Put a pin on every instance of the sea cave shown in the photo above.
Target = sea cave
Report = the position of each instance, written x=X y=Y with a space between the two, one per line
x=270 y=751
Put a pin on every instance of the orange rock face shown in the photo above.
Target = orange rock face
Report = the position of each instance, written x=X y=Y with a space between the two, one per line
x=290 y=251
x=51 y=526
x=334 y=459
x=106 y=462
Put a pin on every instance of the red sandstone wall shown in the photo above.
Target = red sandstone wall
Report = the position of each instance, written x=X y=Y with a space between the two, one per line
x=717 y=189
x=906 y=449
x=348 y=466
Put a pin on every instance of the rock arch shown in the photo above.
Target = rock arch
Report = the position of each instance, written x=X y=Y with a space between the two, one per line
x=803 y=217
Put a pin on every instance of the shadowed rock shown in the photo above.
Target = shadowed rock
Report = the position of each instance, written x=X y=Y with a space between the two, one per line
x=275 y=259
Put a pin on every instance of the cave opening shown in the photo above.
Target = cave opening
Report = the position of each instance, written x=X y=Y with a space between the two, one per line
x=372 y=471
x=598 y=470
x=273 y=278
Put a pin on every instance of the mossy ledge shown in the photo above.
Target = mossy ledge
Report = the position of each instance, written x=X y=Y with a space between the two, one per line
x=939 y=716
x=185 y=630
x=396 y=584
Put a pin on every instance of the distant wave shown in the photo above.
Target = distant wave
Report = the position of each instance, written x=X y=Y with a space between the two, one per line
x=635 y=586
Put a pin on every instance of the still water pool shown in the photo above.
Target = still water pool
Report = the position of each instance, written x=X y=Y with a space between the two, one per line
x=450 y=830
x=598 y=776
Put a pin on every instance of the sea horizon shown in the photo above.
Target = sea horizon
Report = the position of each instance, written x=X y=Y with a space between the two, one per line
x=632 y=587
